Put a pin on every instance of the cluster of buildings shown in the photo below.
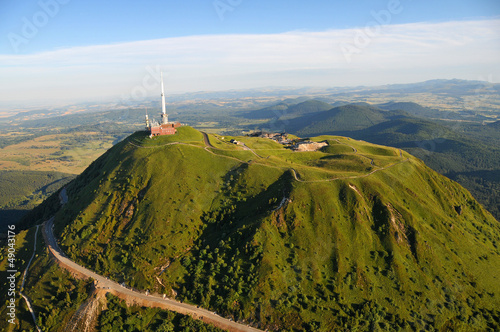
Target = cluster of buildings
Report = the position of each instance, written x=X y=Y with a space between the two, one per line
x=281 y=138
x=296 y=145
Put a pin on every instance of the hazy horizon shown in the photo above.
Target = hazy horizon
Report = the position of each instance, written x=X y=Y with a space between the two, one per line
x=51 y=54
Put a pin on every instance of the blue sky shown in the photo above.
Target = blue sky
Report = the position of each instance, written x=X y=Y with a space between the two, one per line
x=78 y=50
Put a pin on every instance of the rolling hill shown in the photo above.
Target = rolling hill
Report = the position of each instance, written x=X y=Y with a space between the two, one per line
x=412 y=109
x=355 y=236
x=288 y=109
x=342 y=118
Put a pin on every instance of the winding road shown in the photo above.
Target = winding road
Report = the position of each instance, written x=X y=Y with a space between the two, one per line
x=206 y=139
x=28 y=302
x=145 y=300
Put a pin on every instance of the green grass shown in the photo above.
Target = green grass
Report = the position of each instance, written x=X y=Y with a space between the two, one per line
x=465 y=151
x=382 y=251
x=260 y=143
x=184 y=134
x=222 y=142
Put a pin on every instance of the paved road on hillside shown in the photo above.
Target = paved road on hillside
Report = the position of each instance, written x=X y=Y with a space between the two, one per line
x=63 y=196
x=28 y=301
x=108 y=285
x=207 y=141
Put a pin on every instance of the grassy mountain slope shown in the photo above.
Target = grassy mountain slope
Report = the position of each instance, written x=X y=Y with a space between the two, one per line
x=463 y=152
x=464 y=159
x=353 y=236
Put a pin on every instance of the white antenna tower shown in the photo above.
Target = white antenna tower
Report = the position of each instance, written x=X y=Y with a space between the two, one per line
x=164 y=116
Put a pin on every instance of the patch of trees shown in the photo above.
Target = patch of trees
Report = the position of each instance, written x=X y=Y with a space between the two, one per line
x=118 y=318
x=222 y=277
x=64 y=295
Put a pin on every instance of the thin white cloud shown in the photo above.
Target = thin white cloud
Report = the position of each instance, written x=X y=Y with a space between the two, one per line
x=401 y=53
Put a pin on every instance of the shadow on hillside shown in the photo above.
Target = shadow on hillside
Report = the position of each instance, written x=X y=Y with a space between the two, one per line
x=10 y=217
x=242 y=217
x=493 y=175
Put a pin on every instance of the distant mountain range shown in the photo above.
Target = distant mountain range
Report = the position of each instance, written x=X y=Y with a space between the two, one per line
x=452 y=87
